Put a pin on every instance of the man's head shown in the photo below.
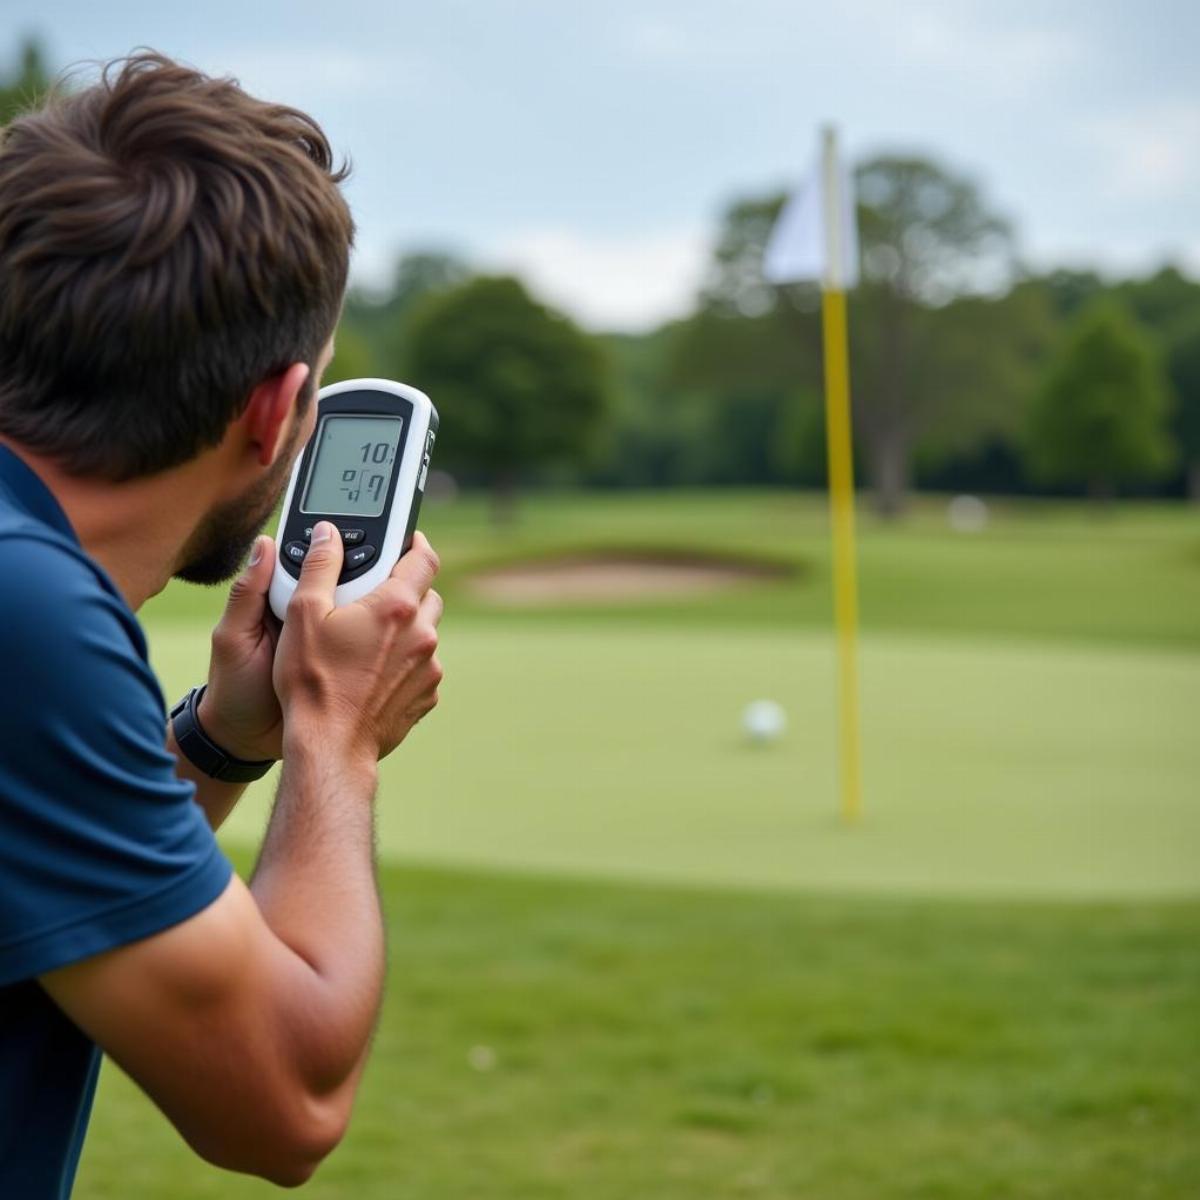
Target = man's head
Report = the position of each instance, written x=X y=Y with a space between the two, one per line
x=169 y=247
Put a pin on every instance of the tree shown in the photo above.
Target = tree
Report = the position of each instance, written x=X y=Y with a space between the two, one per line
x=1183 y=368
x=382 y=320
x=24 y=89
x=1101 y=417
x=926 y=236
x=352 y=357
x=517 y=385
x=738 y=382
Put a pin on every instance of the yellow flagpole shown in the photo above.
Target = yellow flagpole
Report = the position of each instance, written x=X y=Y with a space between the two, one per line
x=841 y=485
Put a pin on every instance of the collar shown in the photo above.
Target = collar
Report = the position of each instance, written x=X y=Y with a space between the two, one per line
x=31 y=495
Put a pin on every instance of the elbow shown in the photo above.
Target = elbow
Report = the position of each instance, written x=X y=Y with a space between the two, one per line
x=287 y=1148
x=304 y=1141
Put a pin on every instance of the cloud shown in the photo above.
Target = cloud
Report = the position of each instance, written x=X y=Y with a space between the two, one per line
x=1005 y=59
x=1150 y=152
x=608 y=282
x=374 y=74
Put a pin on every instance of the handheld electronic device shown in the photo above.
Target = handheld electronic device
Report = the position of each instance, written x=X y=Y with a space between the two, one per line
x=364 y=469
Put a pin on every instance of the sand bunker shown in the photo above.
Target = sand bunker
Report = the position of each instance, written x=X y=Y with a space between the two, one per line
x=613 y=578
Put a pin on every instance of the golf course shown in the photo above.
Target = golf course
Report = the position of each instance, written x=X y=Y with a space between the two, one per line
x=635 y=955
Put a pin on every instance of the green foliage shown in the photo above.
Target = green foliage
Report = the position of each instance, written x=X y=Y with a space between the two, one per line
x=932 y=366
x=1101 y=417
x=383 y=320
x=735 y=284
x=24 y=88
x=352 y=358
x=1161 y=301
x=925 y=232
x=750 y=384
x=517 y=385
x=1183 y=367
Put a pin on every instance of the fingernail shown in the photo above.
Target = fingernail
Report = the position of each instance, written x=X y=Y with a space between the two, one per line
x=322 y=533
x=257 y=552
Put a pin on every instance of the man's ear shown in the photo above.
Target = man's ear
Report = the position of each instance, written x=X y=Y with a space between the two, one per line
x=272 y=407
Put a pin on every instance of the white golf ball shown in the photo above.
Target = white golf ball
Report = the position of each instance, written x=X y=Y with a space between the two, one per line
x=764 y=721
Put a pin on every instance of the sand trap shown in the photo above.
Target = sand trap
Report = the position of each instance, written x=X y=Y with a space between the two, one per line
x=613 y=577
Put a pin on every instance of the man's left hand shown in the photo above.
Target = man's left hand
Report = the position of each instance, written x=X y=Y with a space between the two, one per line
x=239 y=710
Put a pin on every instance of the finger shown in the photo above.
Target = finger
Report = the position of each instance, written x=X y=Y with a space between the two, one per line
x=418 y=567
x=247 y=601
x=322 y=564
x=432 y=607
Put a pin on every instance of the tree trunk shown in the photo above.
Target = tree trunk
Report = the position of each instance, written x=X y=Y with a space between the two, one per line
x=504 y=499
x=1193 y=481
x=1100 y=492
x=890 y=469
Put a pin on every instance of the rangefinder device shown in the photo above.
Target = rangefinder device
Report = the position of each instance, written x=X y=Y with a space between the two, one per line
x=364 y=469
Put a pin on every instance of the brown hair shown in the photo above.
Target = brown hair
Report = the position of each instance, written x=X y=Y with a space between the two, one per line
x=167 y=242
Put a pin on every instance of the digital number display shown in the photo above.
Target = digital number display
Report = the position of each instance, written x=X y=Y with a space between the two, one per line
x=352 y=466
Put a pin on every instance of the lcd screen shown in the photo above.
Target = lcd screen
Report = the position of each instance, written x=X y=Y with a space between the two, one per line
x=352 y=465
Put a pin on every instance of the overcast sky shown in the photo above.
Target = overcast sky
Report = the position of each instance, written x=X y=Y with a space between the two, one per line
x=593 y=143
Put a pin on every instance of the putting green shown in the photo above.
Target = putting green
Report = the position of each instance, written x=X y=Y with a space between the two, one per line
x=992 y=768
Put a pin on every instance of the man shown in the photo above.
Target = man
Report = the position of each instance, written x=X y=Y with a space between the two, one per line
x=173 y=255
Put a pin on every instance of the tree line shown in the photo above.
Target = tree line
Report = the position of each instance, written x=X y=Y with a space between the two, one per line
x=969 y=371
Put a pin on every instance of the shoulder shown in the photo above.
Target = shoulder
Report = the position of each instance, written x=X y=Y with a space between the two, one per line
x=68 y=640
x=102 y=841
x=53 y=591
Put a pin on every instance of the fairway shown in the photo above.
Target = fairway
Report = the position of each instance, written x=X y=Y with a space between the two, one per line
x=991 y=769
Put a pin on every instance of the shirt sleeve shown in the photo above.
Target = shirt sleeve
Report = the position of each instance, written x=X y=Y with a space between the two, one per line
x=100 y=842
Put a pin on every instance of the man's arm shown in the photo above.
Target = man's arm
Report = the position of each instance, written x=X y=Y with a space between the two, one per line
x=248 y=1024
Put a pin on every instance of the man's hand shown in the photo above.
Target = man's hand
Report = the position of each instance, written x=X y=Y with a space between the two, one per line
x=356 y=679
x=239 y=709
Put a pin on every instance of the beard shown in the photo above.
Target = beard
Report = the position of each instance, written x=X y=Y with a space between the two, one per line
x=215 y=551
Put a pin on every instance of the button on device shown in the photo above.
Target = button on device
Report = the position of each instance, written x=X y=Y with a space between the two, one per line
x=429 y=440
x=308 y=533
x=359 y=557
x=296 y=551
x=351 y=537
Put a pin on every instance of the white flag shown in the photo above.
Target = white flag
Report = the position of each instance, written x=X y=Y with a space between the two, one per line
x=799 y=247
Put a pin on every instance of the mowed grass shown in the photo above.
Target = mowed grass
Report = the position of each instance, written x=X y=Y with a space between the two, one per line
x=1021 y=769
x=546 y=1040
x=1029 y=704
x=990 y=988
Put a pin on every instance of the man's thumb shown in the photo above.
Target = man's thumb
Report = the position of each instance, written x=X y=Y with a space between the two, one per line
x=322 y=564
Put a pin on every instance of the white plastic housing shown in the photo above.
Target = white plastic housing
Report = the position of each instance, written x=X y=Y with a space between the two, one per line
x=410 y=485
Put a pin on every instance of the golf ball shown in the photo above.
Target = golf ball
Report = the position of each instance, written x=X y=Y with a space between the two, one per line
x=764 y=721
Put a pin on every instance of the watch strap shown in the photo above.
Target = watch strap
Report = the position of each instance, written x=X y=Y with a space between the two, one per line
x=202 y=752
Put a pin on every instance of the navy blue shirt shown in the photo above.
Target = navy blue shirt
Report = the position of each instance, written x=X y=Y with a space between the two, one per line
x=100 y=843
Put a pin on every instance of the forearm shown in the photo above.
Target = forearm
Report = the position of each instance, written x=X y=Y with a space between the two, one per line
x=315 y=887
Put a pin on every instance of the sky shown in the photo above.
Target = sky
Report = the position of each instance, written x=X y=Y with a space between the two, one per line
x=592 y=145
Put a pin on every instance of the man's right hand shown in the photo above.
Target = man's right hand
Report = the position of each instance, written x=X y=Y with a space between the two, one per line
x=358 y=678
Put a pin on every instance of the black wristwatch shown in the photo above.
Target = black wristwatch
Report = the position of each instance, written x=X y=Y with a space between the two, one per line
x=202 y=752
